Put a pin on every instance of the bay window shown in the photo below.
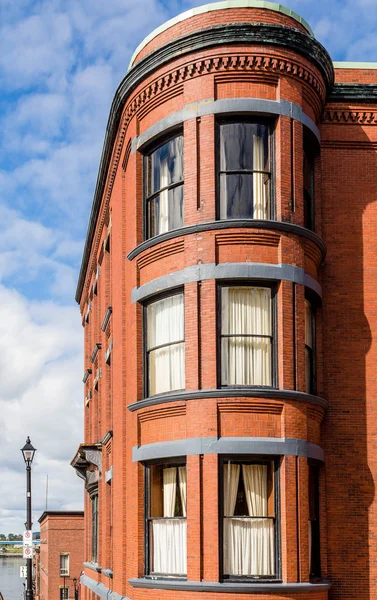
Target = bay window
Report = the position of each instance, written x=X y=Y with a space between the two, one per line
x=310 y=348
x=165 y=345
x=166 y=527
x=163 y=184
x=249 y=518
x=244 y=171
x=246 y=335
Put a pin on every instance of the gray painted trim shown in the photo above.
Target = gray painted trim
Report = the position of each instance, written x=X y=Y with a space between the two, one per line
x=258 y=106
x=100 y=590
x=109 y=474
x=230 y=224
x=226 y=271
x=107 y=573
x=229 y=588
x=231 y=392
x=228 y=445
x=92 y=566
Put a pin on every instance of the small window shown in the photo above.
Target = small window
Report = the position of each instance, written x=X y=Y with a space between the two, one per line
x=64 y=594
x=94 y=501
x=310 y=348
x=244 y=171
x=165 y=345
x=163 y=175
x=166 y=528
x=249 y=519
x=314 y=537
x=246 y=336
x=64 y=565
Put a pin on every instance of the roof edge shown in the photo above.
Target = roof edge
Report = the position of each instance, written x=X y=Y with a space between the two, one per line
x=354 y=65
x=60 y=513
x=222 y=5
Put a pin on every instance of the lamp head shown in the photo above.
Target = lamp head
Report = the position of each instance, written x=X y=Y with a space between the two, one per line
x=28 y=452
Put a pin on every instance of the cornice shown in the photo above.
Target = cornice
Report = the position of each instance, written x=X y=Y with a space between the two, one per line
x=220 y=35
x=348 y=116
x=353 y=92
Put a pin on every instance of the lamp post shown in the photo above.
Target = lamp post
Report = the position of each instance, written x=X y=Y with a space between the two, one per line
x=28 y=452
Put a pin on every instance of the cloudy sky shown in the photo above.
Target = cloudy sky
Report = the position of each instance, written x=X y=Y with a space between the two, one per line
x=60 y=63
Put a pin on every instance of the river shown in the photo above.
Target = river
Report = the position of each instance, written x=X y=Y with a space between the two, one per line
x=11 y=584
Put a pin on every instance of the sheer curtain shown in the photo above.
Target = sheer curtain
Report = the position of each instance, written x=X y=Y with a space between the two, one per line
x=170 y=534
x=260 y=181
x=166 y=328
x=246 y=360
x=248 y=543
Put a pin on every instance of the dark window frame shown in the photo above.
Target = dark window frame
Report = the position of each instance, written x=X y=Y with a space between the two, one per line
x=64 y=593
x=94 y=527
x=273 y=285
x=314 y=479
x=252 y=119
x=310 y=152
x=177 y=461
x=151 y=300
x=146 y=153
x=254 y=459
x=314 y=303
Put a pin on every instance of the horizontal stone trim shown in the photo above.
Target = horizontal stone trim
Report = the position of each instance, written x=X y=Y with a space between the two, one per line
x=107 y=573
x=211 y=37
x=258 y=106
x=218 y=6
x=231 y=392
x=281 y=272
x=230 y=224
x=100 y=590
x=92 y=566
x=228 y=445
x=230 y=588
x=353 y=92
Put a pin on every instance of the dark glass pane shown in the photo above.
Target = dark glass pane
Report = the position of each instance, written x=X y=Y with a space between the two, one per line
x=244 y=146
x=236 y=196
x=165 y=212
x=165 y=165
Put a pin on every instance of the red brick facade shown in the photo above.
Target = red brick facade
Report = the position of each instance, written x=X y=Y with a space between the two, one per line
x=190 y=88
x=62 y=533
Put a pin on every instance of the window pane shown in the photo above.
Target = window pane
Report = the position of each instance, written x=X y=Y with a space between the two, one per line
x=165 y=165
x=165 y=212
x=236 y=196
x=246 y=310
x=244 y=146
x=165 y=321
x=168 y=543
x=308 y=324
x=167 y=369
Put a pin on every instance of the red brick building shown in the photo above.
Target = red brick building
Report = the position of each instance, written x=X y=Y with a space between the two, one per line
x=229 y=309
x=58 y=565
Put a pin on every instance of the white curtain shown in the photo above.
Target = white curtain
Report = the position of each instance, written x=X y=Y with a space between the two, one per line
x=183 y=488
x=246 y=360
x=170 y=535
x=260 y=180
x=166 y=326
x=248 y=543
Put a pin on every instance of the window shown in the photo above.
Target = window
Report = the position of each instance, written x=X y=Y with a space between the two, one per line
x=244 y=171
x=249 y=518
x=310 y=348
x=246 y=335
x=64 y=565
x=64 y=593
x=166 y=545
x=163 y=173
x=308 y=185
x=165 y=345
x=94 y=501
x=314 y=539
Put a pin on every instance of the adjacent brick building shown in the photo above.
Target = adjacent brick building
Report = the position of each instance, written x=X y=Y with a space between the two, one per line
x=229 y=308
x=58 y=565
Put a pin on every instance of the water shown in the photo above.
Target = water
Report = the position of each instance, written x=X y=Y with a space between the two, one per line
x=10 y=581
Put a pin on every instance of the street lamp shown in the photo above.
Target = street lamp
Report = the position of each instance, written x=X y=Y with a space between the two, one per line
x=28 y=452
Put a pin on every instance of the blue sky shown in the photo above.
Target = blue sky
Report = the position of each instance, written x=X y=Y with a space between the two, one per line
x=60 y=63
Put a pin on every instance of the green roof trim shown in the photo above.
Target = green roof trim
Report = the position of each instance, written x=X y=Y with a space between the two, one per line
x=224 y=4
x=354 y=65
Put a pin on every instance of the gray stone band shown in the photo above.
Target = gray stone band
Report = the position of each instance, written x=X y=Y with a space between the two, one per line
x=226 y=271
x=228 y=445
x=258 y=106
x=230 y=588
x=100 y=590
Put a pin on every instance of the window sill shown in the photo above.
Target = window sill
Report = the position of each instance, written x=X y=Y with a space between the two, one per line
x=92 y=566
x=229 y=587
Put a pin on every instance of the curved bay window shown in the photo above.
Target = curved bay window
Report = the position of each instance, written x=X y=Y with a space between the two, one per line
x=246 y=335
x=249 y=518
x=165 y=348
x=244 y=171
x=310 y=348
x=166 y=527
x=163 y=181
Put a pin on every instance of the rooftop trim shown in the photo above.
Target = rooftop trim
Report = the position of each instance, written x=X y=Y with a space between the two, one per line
x=60 y=513
x=354 y=65
x=227 y=4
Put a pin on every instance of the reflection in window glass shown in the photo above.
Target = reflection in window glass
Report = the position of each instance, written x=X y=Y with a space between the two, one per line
x=244 y=171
